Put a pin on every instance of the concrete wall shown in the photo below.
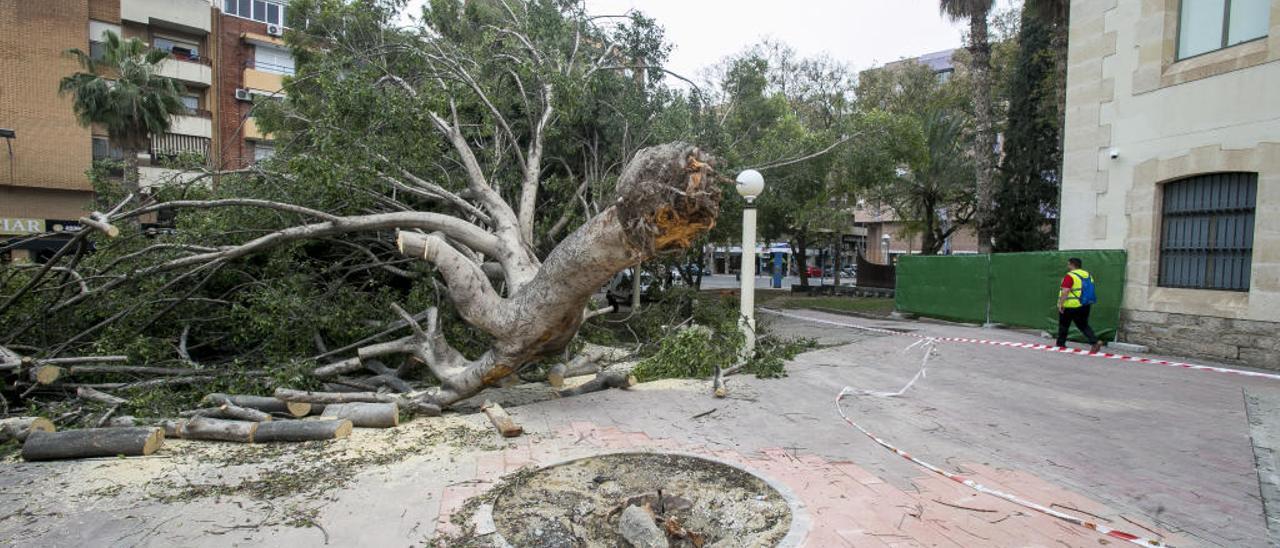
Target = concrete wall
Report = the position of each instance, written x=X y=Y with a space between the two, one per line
x=188 y=72
x=1169 y=119
x=186 y=14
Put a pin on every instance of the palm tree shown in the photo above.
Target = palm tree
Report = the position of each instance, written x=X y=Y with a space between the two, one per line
x=984 y=143
x=123 y=90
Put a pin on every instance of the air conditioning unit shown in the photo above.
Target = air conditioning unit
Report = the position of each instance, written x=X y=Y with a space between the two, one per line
x=275 y=30
x=243 y=95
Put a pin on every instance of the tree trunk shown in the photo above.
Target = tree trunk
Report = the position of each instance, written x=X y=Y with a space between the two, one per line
x=130 y=179
x=667 y=197
x=204 y=428
x=803 y=258
x=835 y=257
x=985 y=140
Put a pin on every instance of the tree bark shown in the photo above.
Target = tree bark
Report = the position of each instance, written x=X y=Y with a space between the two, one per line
x=802 y=250
x=332 y=397
x=92 y=442
x=18 y=428
x=262 y=403
x=365 y=415
x=984 y=117
x=614 y=378
x=205 y=428
x=296 y=431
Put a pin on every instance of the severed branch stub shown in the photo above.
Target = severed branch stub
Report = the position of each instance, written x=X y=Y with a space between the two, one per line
x=501 y=420
x=613 y=378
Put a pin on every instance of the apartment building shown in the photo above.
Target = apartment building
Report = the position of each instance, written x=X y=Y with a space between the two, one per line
x=1172 y=153
x=225 y=53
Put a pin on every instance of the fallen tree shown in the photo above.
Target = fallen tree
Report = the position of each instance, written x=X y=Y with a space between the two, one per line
x=459 y=211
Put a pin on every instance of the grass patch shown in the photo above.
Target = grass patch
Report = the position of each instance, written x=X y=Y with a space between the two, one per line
x=859 y=305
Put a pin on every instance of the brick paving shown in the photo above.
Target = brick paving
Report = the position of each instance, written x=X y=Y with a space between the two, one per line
x=848 y=505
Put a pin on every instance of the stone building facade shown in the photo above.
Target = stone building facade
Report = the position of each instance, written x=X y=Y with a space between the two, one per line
x=1172 y=153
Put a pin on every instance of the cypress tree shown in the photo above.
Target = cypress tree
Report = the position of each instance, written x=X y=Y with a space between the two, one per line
x=1030 y=173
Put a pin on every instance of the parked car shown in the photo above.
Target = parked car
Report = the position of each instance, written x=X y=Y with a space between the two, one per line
x=813 y=271
x=618 y=292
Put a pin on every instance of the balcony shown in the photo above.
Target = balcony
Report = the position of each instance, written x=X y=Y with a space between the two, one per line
x=186 y=15
x=262 y=79
x=189 y=70
x=196 y=124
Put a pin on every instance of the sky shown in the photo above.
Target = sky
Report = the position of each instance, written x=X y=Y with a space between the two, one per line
x=862 y=33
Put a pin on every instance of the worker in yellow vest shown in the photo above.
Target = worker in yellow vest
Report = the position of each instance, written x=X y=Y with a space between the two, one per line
x=1075 y=298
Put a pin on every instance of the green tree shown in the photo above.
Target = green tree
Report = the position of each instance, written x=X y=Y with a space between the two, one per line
x=123 y=90
x=1027 y=187
x=984 y=142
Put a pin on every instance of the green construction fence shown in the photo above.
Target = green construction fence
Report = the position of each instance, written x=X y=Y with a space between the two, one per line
x=1018 y=289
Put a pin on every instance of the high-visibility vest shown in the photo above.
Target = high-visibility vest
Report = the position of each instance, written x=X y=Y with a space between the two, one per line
x=1077 y=282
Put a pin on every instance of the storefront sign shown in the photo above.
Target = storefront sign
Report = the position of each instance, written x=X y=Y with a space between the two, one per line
x=16 y=225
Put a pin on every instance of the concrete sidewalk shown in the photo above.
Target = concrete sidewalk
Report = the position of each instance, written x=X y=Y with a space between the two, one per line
x=1156 y=451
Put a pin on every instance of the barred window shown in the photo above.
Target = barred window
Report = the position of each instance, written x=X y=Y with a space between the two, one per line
x=1206 y=237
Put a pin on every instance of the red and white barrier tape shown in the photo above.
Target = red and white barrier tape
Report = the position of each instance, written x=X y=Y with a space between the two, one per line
x=1103 y=529
x=1037 y=346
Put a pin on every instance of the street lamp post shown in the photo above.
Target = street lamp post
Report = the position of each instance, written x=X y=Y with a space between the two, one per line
x=750 y=185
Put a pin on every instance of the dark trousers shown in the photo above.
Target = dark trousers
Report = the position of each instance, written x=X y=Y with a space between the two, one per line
x=1081 y=317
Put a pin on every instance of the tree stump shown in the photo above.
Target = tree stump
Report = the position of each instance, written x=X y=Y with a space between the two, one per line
x=92 y=442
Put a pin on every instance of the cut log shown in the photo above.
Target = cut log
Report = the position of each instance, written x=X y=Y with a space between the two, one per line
x=262 y=403
x=613 y=378
x=45 y=374
x=174 y=428
x=18 y=428
x=349 y=365
x=233 y=411
x=92 y=442
x=332 y=397
x=302 y=430
x=501 y=420
x=205 y=428
x=584 y=364
x=365 y=415
x=86 y=393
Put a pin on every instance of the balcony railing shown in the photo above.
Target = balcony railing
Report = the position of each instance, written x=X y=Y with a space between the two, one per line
x=269 y=67
x=199 y=112
x=170 y=146
x=187 y=56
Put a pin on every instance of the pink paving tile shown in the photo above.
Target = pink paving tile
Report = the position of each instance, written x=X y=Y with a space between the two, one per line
x=858 y=473
x=489 y=466
x=637 y=439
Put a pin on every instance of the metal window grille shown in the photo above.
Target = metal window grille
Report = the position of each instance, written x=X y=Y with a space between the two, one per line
x=1206 y=237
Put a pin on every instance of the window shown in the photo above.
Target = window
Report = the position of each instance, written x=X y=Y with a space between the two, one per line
x=1206 y=238
x=192 y=102
x=266 y=11
x=275 y=60
x=1210 y=25
x=263 y=151
x=102 y=150
x=184 y=50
